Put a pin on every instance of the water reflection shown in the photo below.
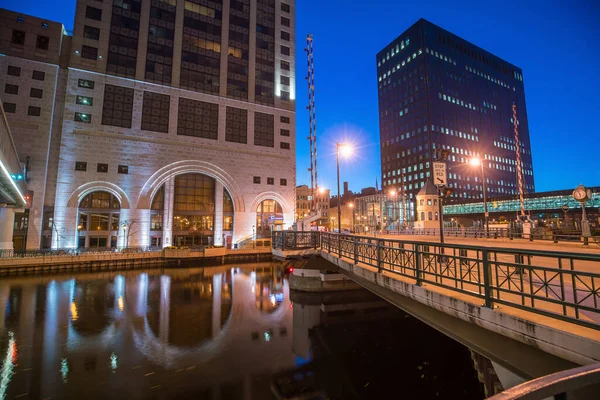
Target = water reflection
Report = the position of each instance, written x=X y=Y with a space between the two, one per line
x=202 y=333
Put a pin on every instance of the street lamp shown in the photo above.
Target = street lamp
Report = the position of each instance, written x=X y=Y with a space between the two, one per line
x=476 y=162
x=351 y=205
x=346 y=151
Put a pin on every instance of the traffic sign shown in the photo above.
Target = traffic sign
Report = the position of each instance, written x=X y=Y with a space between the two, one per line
x=565 y=207
x=439 y=174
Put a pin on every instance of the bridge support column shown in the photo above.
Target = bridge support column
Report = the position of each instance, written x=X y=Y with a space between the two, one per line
x=7 y=222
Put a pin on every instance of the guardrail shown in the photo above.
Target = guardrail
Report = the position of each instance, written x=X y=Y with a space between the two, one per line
x=497 y=233
x=560 y=285
x=292 y=240
x=75 y=252
x=558 y=385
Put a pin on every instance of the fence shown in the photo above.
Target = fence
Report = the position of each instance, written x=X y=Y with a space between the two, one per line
x=292 y=240
x=555 y=284
x=75 y=252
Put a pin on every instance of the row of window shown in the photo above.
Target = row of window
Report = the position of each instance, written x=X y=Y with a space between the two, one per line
x=14 y=89
x=31 y=110
x=394 y=51
x=101 y=167
x=18 y=37
x=16 y=71
x=270 y=181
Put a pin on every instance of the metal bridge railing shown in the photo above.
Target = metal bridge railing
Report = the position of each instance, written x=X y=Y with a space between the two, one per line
x=560 y=285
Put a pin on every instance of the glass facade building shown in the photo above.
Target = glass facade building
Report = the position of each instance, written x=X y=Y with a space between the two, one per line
x=437 y=91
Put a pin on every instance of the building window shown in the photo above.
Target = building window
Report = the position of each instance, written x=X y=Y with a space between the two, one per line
x=34 y=111
x=42 y=42
x=285 y=21
x=83 y=117
x=284 y=120
x=123 y=169
x=155 y=112
x=256 y=179
x=285 y=50
x=236 y=125
x=11 y=89
x=93 y=13
x=284 y=95
x=285 y=35
x=284 y=145
x=89 y=52
x=285 y=7
x=284 y=132
x=14 y=71
x=198 y=118
x=102 y=167
x=10 y=107
x=89 y=32
x=84 y=100
x=285 y=80
x=270 y=181
x=285 y=65
x=80 y=166
x=264 y=129
x=118 y=106
x=38 y=75
x=85 y=83
x=37 y=93
x=283 y=182
x=18 y=37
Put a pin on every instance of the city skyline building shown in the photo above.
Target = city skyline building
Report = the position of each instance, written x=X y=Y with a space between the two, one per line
x=437 y=91
x=160 y=122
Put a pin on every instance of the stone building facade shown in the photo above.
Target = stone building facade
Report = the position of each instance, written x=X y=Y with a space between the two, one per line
x=174 y=124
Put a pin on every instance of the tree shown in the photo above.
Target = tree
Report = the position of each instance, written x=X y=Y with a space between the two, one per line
x=58 y=234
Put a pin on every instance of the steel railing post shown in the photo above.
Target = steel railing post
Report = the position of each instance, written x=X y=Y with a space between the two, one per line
x=379 y=260
x=487 y=278
x=418 y=264
x=355 y=244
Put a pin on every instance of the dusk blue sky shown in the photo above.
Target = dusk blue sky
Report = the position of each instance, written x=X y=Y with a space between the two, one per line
x=556 y=43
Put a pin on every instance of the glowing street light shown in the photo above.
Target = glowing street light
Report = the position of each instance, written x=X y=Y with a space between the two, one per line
x=476 y=162
x=346 y=151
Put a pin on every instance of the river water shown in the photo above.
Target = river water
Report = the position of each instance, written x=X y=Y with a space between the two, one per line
x=227 y=332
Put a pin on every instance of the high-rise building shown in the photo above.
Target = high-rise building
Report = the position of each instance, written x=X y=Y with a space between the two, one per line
x=159 y=122
x=438 y=91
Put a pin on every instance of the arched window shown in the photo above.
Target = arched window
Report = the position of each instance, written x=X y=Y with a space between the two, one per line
x=193 y=210
x=227 y=211
x=98 y=220
x=156 y=217
x=429 y=215
x=436 y=216
x=268 y=214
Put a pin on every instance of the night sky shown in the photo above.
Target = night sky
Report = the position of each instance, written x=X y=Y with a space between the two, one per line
x=556 y=43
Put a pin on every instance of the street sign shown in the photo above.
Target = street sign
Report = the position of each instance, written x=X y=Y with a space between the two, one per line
x=565 y=207
x=439 y=174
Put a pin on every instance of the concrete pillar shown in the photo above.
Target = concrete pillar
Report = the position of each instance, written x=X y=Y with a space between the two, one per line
x=252 y=54
x=177 y=43
x=142 y=50
x=65 y=235
x=7 y=223
x=168 y=212
x=224 y=50
x=138 y=231
x=165 y=308
x=218 y=222
x=216 y=305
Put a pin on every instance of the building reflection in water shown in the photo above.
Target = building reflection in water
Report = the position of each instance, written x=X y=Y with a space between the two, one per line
x=205 y=333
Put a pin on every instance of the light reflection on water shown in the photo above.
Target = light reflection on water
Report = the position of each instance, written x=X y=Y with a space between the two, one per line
x=134 y=332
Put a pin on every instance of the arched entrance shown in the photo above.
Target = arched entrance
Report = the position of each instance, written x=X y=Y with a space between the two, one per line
x=98 y=220
x=193 y=210
x=269 y=215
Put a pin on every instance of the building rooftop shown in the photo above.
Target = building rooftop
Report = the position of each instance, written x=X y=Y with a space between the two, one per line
x=428 y=189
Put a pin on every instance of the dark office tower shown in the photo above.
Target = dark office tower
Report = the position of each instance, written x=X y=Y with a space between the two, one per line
x=438 y=91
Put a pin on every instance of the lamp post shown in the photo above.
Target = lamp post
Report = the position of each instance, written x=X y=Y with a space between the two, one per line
x=476 y=162
x=346 y=150
x=351 y=205
x=582 y=195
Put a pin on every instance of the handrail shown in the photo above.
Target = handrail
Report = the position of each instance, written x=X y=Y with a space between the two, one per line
x=557 y=384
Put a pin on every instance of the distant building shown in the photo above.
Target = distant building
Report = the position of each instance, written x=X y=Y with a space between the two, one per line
x=304 y=202
x=438 y=91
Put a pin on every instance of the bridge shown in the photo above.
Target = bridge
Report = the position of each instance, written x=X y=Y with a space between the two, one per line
x=534 y=311
x=13 y=189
